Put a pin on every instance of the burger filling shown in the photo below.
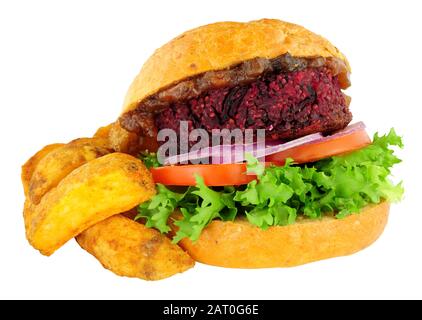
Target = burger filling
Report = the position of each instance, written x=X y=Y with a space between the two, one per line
x=280 y=194
x=335 y=173
x=287 y=105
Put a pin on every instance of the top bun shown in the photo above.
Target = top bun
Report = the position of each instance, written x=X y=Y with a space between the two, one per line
x=221 y=45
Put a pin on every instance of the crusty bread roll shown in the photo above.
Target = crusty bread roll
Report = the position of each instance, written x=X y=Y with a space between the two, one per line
x=239 y=244
x=221 y=45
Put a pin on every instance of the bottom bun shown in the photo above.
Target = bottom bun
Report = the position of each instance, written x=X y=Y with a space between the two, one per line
x=239 y=244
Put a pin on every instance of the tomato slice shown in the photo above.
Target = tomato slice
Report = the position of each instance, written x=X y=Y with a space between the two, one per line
x=213 y=174
x=325 y=148
x=235 y=173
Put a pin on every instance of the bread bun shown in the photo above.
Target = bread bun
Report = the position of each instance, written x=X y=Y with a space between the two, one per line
x=221 y=45
x=239 y=244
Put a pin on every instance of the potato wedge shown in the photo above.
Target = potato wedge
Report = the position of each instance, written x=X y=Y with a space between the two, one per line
x=130 y=249
x=29 y=167
x=61 y=161
x=95 y=191
x=95 y=141
x=122 y=140
x=103 y=132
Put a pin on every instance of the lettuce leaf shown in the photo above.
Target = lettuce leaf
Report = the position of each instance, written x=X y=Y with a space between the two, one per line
x=341 y=184
x=150 y=159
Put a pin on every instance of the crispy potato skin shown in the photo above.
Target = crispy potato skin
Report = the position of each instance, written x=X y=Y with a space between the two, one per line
x=29 y=167
x=61 y=161
x=28 y=215
x=130 y=249
x=95 y=191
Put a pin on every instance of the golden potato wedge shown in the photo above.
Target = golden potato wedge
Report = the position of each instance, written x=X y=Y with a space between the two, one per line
x=122 y=140
x=95 y=191
x=61 y=161
x=103 y=132
x=29 y=167
x=95 y=141
x=130 y=249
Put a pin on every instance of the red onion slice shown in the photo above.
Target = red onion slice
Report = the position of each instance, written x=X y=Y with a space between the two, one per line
x=218 y=154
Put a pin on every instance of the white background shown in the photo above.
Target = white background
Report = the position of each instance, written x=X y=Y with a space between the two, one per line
x=64 y=70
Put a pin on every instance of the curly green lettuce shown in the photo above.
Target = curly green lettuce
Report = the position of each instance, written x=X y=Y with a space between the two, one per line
x=150 y=159
x=341 y=184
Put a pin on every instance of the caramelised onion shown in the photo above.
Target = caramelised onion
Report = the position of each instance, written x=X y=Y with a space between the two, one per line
x=236 y=153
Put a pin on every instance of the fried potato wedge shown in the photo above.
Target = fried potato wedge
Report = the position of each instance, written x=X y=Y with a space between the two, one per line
x=29 y=167
x=122 y=140
x=130 y=249
x=103 y=132
x=61 y=161
x=99 y=189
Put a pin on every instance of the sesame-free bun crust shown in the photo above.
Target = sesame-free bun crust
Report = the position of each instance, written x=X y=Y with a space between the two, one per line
x=239 y=244
x=219 y=46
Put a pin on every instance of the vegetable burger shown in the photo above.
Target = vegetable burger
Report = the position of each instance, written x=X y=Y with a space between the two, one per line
x=320 y=187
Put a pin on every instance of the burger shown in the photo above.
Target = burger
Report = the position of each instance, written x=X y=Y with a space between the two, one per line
x=315 y=187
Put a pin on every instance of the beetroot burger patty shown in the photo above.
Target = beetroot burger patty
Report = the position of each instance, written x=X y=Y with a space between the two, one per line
x=287 y=104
